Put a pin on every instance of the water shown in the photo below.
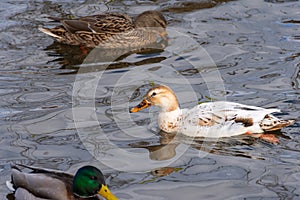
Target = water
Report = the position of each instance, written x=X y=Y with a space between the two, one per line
x=61 y=111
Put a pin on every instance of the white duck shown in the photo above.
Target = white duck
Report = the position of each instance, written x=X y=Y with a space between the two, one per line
x=213 y=119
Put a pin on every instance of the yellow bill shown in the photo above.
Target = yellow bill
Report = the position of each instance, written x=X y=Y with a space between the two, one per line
x=106 y=193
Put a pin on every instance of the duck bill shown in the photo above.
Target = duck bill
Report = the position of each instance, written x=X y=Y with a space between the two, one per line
x=144 y=104
x=106 y=193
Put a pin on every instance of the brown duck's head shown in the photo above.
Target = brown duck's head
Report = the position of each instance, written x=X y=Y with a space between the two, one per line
x=151 y=18
x=161 y=96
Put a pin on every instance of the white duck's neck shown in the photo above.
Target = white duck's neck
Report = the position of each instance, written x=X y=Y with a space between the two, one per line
x=169 y=121
x=168 y=103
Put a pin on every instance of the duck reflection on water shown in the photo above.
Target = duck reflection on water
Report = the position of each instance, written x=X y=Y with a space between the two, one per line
x=98 y=59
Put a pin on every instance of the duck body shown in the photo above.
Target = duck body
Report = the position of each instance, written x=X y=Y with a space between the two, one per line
x=41 y=183
x=110 y=30
x=212 y=119
x=220 y=119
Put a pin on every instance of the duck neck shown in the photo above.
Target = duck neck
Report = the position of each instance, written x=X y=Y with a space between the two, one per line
x=169 y=121
x=168 y=103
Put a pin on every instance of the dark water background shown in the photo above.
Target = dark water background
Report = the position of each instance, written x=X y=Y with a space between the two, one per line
x=59 y=114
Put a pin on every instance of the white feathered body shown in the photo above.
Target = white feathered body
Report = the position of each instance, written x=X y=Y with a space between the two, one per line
x=220 y=119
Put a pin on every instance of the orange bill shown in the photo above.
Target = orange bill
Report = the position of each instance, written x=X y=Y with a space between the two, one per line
x=144 y=104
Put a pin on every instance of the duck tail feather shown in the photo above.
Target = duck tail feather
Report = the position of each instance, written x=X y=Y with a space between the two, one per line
x=48 y=32
x=10 y=186
x=272 y=123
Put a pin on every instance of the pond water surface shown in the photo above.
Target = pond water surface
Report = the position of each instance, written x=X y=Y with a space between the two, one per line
x=61 y=109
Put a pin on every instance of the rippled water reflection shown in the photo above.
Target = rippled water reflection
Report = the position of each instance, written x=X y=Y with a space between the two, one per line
x=46 y=87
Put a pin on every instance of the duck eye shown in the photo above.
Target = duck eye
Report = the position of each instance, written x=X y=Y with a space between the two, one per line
x=153 y=94
x=93 y=177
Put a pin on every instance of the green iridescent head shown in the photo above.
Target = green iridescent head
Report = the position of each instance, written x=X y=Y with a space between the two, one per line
x=89 y=181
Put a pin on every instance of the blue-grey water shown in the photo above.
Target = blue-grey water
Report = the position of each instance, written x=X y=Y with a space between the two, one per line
x=62 y=109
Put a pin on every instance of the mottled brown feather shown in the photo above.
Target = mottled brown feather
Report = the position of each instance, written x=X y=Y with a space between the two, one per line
x=246 y=121
x=110 y=30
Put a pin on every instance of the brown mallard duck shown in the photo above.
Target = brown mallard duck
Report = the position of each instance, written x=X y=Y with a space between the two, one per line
x=111 y=30
x=42 y=184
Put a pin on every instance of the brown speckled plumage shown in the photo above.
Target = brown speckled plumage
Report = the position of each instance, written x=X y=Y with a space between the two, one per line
x=110 y=30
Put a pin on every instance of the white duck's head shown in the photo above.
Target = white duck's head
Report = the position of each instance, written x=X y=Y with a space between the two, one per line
x=161 y=96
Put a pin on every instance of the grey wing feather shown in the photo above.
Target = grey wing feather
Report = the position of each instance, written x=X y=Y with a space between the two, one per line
x=23 y=194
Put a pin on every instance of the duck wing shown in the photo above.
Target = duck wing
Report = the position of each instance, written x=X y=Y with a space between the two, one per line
x=104 y=23
x=43 y=183
x=224 y=119
x=221 y=111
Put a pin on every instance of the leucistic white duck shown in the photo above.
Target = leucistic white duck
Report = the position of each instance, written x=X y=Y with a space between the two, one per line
x=212 y=119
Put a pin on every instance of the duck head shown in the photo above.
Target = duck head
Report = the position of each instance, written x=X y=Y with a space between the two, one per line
x=161 y=96
x=89 y=182
x=154 y=20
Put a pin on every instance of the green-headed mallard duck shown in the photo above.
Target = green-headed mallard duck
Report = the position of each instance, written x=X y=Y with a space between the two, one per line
x=111 y=30
x=87 y=183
